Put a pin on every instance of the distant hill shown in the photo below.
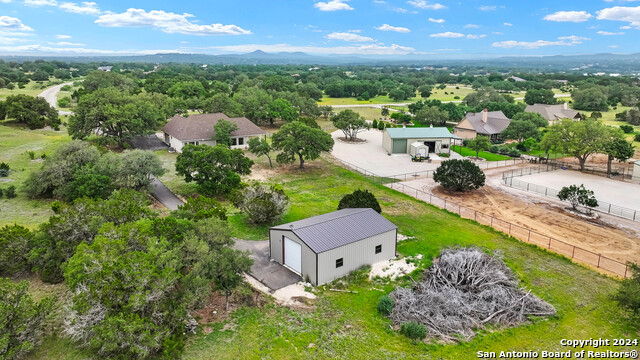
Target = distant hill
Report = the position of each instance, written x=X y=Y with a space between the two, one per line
x=622 y=63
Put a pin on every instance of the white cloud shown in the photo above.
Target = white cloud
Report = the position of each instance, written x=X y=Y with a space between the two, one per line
x=487 y=8
x=387 y=27
x=35 y=48
x=333 y=5
x=497 y=33
x=614 y=46
x=507 y=24
x=11 y=24
x=455 y=35
x=167 y=22
x=5 y=1
x=61 y=36
x=471 y=26
x=622 y=13
x=379 y=1
x=85 y=8
x=574 y=39
x=368 y=49
x=66 y=43
x=10 y=40
x=41 y=2
x=527 y=44
x=422 y=4
x=437 y=21
x=447 y=34
x=609 y=33
x=562 y=41
x=569 y=16
x=347 y=36
x=626 y=27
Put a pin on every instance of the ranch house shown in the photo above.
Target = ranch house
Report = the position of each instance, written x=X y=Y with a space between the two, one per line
x=326 y=247
x=198 y=130
x=487 y=123
x=418 y=141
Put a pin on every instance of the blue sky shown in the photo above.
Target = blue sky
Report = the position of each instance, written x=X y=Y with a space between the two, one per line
x=440 y=28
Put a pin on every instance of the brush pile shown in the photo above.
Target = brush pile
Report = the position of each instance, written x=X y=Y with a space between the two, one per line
x=464 y=290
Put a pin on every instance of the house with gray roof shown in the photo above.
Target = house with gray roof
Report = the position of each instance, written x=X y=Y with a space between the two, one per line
x=325 y=247
x=418 y=141
x=198 y=129
x=486 y=123
x=554 y=113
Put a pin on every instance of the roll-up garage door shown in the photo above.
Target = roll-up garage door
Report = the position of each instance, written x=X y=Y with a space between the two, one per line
x=293 y=255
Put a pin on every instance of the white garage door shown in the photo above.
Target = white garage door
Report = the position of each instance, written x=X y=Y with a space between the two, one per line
x=293 y=255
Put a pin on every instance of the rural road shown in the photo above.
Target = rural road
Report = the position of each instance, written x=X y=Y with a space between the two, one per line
x=51 y=95
x=164 y=195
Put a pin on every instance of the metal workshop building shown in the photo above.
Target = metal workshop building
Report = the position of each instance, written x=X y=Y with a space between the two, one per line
x=329 y=246
x=400 y=140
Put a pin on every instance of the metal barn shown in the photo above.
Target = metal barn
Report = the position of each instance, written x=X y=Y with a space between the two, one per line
x=326 y=247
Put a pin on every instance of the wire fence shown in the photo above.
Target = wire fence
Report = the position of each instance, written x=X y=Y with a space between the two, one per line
x=573 y=252
x=521 y=233
x=603 y=206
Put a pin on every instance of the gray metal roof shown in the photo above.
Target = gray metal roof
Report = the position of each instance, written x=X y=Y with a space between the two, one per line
x=339 y=228
x=553 y=112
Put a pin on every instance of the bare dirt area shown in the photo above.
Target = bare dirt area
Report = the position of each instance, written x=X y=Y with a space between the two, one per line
x=610 y=236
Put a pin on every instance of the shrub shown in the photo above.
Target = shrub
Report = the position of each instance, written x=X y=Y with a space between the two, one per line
x=15 y=241
x=628 y=295
x=200 y=208
x=4 y=167
x=413 y=330
x=459 y=175
x=262 y=204
x=627 y=129
x=1 y=192
x=32 y=154
x=381 y=125
x=578 y=195
x=4 y=172
x=374 y=124
x=10 y=192
x=636 y=137
x=457 y=97
x=385 y=305
x=360 y=199
x=23 y=320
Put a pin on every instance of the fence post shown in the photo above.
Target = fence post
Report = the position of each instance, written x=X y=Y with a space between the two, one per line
x=509 y=228
x=599 y=256
x=475 y=216
x=549 y=242
x=529 y=238
x=492 y=221
x=609 y=209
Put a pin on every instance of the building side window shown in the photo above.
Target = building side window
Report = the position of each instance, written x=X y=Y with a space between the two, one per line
x=240 y=141
x=339 y=263
x=445 y=146
x=234 y=142
x=378 y=249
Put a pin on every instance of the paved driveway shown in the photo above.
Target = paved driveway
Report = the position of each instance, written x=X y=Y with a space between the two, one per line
x=270 y=273
x=371 y=157
x=164 y=195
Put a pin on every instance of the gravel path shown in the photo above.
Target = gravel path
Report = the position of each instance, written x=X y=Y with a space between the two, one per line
x=51 y=95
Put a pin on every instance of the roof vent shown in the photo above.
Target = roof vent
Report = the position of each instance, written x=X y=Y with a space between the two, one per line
x=291 y=226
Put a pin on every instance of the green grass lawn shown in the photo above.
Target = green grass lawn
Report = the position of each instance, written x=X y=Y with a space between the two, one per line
x=15 y=141
x=32 y=88
x=465 y=151
x=347 y=325
x=609 y=118
x=436 y=94
x=369 y=113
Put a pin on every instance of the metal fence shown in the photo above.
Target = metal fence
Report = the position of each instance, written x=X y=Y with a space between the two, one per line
x=603 y=206
x=571 y=251
x=518 y=232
